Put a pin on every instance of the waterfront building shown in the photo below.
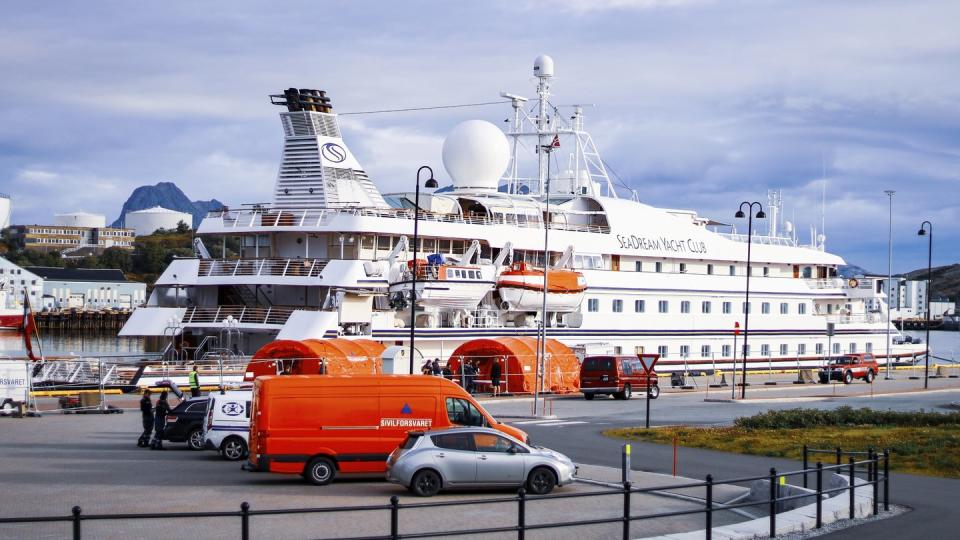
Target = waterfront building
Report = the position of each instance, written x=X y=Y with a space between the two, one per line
x=69 y=240
x=87 y=288
x=149 y=220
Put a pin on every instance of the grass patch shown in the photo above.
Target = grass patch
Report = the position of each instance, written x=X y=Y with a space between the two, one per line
x=922 y=443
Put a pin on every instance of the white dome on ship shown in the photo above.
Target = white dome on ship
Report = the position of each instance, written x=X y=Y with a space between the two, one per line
x=475 y=154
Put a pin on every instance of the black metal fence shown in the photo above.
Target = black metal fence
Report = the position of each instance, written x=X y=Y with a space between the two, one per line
x=871 y=465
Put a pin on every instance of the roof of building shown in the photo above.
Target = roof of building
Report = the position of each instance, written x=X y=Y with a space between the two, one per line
x=156 y=210
x=78 y=274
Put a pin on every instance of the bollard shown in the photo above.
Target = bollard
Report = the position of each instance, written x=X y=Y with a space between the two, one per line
x=626 y=510
x=773 y=502
x=625 y=464
x=394 y=517
x=76 y=523
x=521 y=513
x=709 y=512
x=819 y=494
x=839 y=456
x=674 y=456
x=853 y=484
x=805 y=465
x=245 y=520
x=876 y=481
x=886 y=480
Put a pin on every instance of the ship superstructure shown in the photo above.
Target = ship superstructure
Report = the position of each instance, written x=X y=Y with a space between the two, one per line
x=330 y=256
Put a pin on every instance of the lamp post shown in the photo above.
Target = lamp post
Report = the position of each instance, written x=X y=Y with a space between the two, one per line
x=926 y=229
x=889 y=193
x=430 y=183
x=746 y=316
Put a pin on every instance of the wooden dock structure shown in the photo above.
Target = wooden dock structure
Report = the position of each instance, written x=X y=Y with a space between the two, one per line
x=82 y=319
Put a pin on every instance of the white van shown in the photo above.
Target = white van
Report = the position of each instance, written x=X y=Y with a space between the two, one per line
x=14 y=387
x=228 y=423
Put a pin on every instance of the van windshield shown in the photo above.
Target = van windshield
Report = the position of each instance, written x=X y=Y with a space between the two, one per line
x=463 y=413
x=598 y=364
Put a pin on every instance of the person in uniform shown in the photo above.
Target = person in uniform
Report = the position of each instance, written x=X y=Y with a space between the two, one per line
x=194 y=382
x=160 y=421
x=146 y=415
x=495 y=372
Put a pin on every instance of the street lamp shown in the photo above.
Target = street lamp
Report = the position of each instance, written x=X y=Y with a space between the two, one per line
x=746 y=318
x=929 y=234
x=430 y=183
x=889 y=193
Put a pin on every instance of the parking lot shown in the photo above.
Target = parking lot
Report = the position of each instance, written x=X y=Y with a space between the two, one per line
x=55 y=462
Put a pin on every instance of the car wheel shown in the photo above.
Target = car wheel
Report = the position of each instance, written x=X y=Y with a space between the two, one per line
x=654 y=391
x=869 y=377
x=541 y=481
x=588 y=397
x=426 y=483
x=195 y=439
x=847 y=377
x=233 y=449
x=627 y=392
x=320 y=471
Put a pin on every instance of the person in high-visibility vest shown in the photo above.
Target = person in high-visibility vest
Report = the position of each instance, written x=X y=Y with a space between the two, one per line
x=194 y=382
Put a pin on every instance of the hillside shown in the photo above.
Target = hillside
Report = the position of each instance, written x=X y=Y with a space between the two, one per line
x=167 y=195
x=946 y=280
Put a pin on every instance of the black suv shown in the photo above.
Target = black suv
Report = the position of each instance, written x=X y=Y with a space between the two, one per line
x=185 y=422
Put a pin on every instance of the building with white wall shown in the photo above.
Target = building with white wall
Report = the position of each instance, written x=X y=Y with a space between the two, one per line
x=88 y=288
x=5 y=210
x=150 y=220
x=15 y=280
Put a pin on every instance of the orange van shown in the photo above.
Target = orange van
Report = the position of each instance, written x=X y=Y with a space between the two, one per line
x=323 y=425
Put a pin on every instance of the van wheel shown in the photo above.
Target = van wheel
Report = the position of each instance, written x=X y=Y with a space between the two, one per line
x=195 y=439
x=541 y=481
x=320 y=471
x=426 y=483
x=847 y=377
x=654 y=391
x=233 y=449
x=869 y=377
x=588 y=397
x=626 y=394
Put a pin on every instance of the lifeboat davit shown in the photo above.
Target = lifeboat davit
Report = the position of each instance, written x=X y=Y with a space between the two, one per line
x=521 y=288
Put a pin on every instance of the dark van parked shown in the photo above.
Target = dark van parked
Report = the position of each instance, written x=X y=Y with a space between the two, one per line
x=618 y=376
x=185 y=422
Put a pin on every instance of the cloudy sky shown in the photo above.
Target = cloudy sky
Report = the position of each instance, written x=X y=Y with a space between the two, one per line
x=697 y=103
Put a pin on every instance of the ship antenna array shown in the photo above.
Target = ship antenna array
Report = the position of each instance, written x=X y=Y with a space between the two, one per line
x=435 y=107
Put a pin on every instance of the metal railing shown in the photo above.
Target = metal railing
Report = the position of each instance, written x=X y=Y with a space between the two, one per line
x=871 y=465
x=261 y=267
x=273 y=315
x=315 y=217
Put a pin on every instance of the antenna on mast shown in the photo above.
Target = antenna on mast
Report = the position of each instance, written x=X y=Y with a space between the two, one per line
x=823 y=203
x=543 y=70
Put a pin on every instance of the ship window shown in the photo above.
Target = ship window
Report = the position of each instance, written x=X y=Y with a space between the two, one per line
x=727 y=308
x=367 y=241
x=638 y=266
x=658 y=267
x=733 y=270
x=765 y=308
x=683 y=268
x=429 y=245
x=639 y=306
x=783 y=349
x=684 y=351
x=383 y=243
x=473 y=274
x=662 y=350
x=451 y=273
x=819 y=348
x=685 y=306
x=869 y=348
x=836 y=348
x=593 y=305
x=745 y=307
x=802 y=349
x=663 y=306
x=705 y=351
x=784 y=308
x=853 y=348
x=725 y=350
x=705 y=306
x=764 y=350
x=802 y=308
x=807 y=272
x=710 y=269
x=445 y=246
x=459 y=247
x=618 y=306
x=766 y=271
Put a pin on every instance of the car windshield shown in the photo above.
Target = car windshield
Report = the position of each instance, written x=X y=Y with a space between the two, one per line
x=842 y=361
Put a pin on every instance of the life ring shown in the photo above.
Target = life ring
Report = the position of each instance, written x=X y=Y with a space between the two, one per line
x=853 y=283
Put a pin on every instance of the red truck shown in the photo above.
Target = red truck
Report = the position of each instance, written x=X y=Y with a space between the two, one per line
x=848 y=367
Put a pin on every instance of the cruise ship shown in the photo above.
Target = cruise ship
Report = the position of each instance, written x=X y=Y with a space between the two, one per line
x=331 y=256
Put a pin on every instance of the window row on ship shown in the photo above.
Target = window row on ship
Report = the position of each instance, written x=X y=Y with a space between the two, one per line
x=766 y=350
x=706 y=306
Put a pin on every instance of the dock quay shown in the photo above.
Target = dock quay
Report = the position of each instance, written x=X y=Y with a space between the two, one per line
x=82 y=319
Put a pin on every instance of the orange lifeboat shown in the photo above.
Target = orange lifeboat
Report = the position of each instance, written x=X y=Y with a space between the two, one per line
x=521 y=288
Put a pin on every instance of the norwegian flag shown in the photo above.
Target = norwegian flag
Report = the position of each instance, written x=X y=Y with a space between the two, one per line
x=29 y=328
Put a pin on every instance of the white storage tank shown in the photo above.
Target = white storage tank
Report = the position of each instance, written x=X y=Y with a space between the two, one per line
x=4 y=211
x=147 y=221
x=80 y=219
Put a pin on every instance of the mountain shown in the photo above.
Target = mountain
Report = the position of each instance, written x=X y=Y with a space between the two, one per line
x=167 y=195
x=946 y=280
x=852 y=270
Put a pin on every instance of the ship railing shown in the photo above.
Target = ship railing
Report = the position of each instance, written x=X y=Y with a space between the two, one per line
x=841 y=318
x=830 y=283
x=272 y=315
x=261 y=267
x=314 y=217
x=759 y=239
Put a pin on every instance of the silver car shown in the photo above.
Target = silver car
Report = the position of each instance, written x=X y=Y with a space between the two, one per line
x=429 y=461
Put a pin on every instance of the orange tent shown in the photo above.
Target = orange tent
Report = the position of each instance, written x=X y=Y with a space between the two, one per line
x=518 y=362
x=312 y=356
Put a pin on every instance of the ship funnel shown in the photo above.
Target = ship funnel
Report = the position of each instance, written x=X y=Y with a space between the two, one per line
x=303 y=99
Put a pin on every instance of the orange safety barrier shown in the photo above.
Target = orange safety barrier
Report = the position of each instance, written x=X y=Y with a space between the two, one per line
x=518 y=362
x=317 y=356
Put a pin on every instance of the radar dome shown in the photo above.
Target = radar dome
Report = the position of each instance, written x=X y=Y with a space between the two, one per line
x=475 y=154
x=543 y=66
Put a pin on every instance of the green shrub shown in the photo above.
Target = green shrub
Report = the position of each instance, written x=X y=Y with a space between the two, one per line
x=844 y=416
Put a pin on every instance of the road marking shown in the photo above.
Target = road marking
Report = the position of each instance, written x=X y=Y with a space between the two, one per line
x=561 y=423
x=525 y=422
